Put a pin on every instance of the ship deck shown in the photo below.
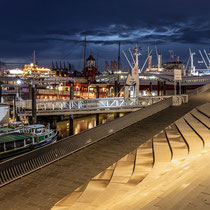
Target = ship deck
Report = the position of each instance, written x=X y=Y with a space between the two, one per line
x=14 y=137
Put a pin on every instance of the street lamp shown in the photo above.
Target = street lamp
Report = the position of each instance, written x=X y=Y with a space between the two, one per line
x=19 y=82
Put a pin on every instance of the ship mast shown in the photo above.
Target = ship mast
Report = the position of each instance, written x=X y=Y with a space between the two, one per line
x=192 y=68
x=118 y=62
x=34 y=60
x=84 y=52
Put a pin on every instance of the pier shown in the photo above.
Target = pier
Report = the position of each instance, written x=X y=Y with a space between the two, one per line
x=86 y=106
x=50 y=184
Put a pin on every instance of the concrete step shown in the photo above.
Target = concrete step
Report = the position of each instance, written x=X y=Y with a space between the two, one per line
x=199 y=128
x=205 y=109
x=161 y=173
x=202 y=118
x=194 y=142
x=177 y=143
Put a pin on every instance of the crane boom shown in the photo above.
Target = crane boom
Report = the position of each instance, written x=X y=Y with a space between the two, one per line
x=127 y=59
x=131 y=55
x=146 y=61
x=203 y=59
x=207 y=57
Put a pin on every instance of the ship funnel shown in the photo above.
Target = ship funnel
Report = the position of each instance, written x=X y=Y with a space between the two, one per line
x=150 y=62
x=159 y=61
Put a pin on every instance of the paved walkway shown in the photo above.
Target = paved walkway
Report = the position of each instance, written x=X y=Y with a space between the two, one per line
x=42 y=189
x=159 y=174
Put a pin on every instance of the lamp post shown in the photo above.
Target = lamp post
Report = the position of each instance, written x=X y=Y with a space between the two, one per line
x=19 y=82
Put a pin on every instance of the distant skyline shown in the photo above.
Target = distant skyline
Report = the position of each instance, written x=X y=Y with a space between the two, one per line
x=56 y=29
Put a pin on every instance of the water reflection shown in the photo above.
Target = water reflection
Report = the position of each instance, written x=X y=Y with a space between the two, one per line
x=83 y=123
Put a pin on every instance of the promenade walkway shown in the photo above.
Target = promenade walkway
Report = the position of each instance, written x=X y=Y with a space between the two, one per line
x=169 y=171
x=45 y=187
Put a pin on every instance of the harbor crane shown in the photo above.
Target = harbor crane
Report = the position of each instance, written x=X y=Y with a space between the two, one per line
x=204 y=60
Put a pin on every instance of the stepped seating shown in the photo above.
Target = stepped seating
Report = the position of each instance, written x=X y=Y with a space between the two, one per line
x=164 y=172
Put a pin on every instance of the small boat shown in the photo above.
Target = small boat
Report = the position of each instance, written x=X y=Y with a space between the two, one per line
x=13 y=127
x=26 y=138
x=6 y=130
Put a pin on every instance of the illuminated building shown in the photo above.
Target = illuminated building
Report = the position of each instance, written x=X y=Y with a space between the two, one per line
x=90 y=70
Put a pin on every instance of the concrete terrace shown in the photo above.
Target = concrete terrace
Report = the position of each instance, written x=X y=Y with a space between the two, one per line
x=43 y=188
x=169 y=171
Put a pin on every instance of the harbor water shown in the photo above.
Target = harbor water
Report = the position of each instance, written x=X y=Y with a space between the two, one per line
x=83 y=123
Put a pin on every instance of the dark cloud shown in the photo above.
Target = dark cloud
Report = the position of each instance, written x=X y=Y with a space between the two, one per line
x=55 y=27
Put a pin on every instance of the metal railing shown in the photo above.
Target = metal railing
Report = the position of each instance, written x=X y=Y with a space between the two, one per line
x=86 y=104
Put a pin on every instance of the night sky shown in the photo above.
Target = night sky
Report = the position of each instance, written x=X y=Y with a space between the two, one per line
x=56 y=28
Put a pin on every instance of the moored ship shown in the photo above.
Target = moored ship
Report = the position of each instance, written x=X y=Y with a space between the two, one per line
x=26 y=138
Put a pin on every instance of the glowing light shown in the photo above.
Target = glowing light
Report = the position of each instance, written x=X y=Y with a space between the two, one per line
x=19 y=82
x=15 y=71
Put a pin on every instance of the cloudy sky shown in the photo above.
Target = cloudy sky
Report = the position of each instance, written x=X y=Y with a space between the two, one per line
x=56 y=28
